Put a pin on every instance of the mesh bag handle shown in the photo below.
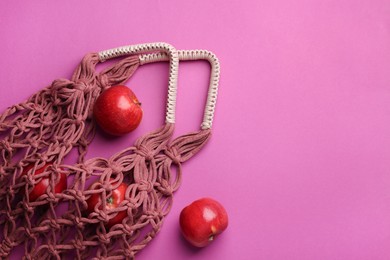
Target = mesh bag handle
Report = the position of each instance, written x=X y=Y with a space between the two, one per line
x=191 y=55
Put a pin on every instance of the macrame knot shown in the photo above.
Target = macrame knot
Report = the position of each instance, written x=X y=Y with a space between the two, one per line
x=44 y=157
x=115 y=167
x=128 y=230
x=6 y=146
x=173 y=154
x=53 y=224
x=10 y=190
x=34 y=143
x=37 y=107
x=67 y=143
x=52 y=251
x=132 y=203
x=10 y=217
x=106 y=186
x=129 y=253
x=30 y=179
x=59 y=84
x=104 y=239
x=27 y=208
x=144 y=151
x=56 y=102
x=82 y=86
x=150 y=214
x=78 y=245
x=103 y=80
x=78 y=196
x=57 y=139
x=145 y=186
x=21 y=126
x=165 y=188
x=47 y=121
x=84 y=168
x=51 y=198
x=27 y=231
x=78 y=222
x=77 y=120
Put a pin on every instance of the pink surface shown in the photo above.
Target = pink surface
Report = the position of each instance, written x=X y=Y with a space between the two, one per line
x=301 y=145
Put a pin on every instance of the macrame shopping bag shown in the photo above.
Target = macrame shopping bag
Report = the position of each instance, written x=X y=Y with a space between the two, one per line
x=147 y=168
x=48 y=125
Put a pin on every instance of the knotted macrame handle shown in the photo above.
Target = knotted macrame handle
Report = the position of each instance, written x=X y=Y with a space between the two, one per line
x=170 y=53
x=214 y=77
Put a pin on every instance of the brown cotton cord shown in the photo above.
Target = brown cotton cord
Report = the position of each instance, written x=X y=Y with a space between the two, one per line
x=151 y=169
x=46 y=127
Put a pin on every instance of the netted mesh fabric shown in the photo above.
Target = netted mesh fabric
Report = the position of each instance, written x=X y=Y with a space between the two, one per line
x=152 y=179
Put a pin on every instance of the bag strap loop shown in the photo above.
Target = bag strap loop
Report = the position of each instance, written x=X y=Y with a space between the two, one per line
x=186 y=55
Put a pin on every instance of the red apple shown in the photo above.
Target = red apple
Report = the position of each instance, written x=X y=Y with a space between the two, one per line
x=202 y=221
x=40 y=188
x=112 y=202
x=117 y=110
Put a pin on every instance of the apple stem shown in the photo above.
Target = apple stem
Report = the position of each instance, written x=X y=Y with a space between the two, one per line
x=211 y=238
x=136 y=101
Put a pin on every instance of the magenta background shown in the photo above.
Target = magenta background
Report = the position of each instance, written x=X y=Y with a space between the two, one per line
x=301 y=145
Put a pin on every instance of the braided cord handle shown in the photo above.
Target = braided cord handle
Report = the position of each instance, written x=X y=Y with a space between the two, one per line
x=214 y=77
x=170 y=54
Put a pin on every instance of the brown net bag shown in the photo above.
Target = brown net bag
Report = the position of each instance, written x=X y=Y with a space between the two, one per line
x=44 y=129
x=57 y=225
